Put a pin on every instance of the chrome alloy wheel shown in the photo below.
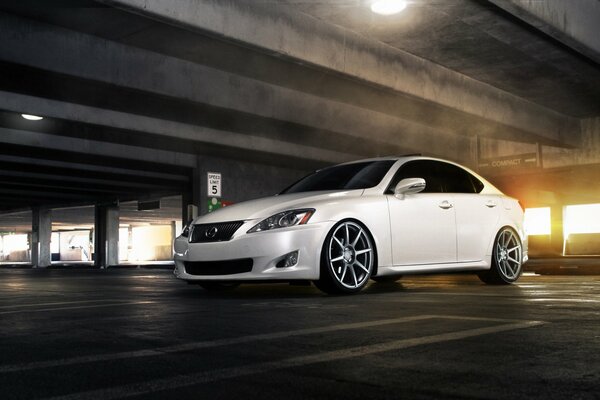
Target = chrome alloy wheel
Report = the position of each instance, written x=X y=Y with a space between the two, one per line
x=350 y=255
x=509 y=254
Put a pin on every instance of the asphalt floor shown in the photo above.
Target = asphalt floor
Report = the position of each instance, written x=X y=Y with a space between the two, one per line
x=140 y=333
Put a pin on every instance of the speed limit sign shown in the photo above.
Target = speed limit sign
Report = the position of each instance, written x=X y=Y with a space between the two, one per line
x=214 y=184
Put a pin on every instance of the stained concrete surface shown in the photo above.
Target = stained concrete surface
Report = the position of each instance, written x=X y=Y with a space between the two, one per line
x=141 y=333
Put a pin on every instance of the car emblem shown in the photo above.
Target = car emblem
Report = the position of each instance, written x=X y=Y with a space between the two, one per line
x=211 y=233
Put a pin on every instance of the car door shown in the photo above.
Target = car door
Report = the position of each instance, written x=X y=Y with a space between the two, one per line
x=423 y=225
x=476 y=214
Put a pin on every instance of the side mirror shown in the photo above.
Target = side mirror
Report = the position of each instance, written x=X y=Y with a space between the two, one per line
x=409 y=186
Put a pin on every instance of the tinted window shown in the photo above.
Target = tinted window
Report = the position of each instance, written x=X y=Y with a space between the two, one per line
x=425 y=169
x=360 y=175
x=457 y=180
x=439 y=177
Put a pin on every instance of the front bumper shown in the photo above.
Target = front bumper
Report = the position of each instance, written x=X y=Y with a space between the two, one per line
x=264 y=248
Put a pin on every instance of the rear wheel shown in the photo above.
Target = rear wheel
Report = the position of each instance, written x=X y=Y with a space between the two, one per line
x=347 y=259
x=507 y=259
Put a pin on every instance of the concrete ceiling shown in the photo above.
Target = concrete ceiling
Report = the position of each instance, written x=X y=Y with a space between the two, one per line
x=477 y=39
x=134 y=97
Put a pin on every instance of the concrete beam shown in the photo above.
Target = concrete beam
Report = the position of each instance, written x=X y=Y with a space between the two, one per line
x=41 y=233
x=574 y=23
x=125 y=174
x=315 y=42
x=94 y=58
x=92 y=147
x=142 y=124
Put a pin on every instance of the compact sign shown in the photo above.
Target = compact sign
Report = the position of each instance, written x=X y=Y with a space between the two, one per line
x=214 y=184
x=521 y=161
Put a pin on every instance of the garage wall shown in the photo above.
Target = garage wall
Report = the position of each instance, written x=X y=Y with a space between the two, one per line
x=243 y=181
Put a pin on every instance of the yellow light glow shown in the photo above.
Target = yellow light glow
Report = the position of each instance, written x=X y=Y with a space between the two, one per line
x=584 y=218
x=388 y=7
x=151 y=243
x=537 y=221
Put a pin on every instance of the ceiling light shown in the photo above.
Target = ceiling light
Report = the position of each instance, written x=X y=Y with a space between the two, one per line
x=31 y=117
x=388 y=7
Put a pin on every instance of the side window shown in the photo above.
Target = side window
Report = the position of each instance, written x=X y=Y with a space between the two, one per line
x=477 y=184
x=425 y=169
x=457 y=180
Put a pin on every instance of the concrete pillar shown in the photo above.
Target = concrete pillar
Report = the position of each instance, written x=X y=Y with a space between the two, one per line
x=106 y=236
x=556 y=235
x=173 y=236
x=192 y=198
x=41 y=232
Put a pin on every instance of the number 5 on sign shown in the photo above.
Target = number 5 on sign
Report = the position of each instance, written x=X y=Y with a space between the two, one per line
x=214 y=184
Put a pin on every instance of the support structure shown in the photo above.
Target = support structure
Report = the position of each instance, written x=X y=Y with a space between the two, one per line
x=41 y=226
x=106 y=236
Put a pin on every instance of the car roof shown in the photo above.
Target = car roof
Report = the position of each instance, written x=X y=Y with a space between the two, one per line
x=405 y=157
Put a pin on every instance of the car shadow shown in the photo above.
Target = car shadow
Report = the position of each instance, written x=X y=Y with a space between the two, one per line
x=266 y=291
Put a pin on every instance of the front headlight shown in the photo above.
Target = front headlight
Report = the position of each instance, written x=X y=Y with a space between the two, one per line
x=284 y=219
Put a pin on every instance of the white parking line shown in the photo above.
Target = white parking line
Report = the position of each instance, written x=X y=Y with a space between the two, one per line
x=228 y=341
x=180 y=381
x=74 y=307
x=61 y=303
x=204 y=344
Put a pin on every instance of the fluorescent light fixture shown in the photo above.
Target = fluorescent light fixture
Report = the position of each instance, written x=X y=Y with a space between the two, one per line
x=31 y=117
x=388 y=7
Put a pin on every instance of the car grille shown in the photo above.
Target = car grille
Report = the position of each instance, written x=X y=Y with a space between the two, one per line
x=227 y=267
x=220 y=232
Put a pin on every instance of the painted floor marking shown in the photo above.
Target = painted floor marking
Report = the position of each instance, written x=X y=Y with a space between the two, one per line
x=227 y=342
x=74 y=307
x=61 y=303
x=152 y=386
x=204 y=344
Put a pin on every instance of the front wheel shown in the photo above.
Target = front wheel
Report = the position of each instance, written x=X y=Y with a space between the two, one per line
x=507 y=259
x=347 y=259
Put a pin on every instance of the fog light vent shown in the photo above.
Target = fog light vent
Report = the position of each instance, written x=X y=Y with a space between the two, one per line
x=289 y=260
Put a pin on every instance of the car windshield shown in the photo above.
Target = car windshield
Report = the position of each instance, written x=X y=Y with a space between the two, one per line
x=361 y=175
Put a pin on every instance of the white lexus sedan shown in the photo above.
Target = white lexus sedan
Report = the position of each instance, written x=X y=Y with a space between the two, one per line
x=370 y=219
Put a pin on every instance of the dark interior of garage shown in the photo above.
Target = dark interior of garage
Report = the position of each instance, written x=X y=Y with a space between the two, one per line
x=124 y=121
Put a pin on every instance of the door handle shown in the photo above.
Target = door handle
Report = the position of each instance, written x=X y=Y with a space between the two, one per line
x=491 y=204
x=445 y=205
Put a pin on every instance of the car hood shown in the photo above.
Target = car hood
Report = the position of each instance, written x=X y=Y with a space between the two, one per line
x=267 y=206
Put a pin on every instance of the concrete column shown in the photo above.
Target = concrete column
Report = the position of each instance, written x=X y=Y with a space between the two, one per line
x=106 y=236
x=191 y=199
x=556 y=235
x=173 y=236
x=41 y=232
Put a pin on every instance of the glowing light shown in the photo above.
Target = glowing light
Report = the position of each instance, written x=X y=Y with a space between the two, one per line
x=150 y=243
x=388 y=7
x=537 y=221
x=584 y=218
x=31 y=117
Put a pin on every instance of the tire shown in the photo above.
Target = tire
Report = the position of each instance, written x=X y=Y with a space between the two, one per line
x=507 y=259
x=218 y=286
x=387 y=278
x=348 y=258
